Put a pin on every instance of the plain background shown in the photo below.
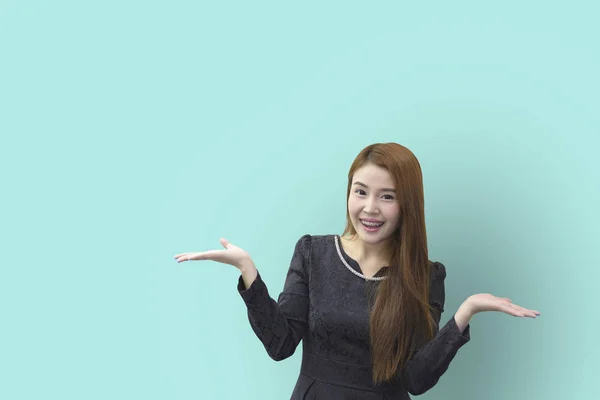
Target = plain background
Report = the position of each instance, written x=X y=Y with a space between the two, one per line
x=135 y=130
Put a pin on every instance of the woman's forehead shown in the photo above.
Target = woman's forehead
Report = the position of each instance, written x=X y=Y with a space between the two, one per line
x=373 y=176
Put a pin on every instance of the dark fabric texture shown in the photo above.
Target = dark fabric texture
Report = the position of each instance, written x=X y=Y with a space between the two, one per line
x=325 y=306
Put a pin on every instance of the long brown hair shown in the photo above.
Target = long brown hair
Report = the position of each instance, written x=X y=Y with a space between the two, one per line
x=400 y=318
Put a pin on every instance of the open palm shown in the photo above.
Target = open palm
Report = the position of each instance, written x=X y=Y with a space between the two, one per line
x=232 y=255
x=486 y=302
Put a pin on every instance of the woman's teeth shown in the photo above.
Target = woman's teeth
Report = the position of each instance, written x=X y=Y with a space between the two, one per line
x=371 y=226
x=375 y=224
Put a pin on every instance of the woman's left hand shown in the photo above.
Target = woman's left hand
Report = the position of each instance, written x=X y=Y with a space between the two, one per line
x=486 y=302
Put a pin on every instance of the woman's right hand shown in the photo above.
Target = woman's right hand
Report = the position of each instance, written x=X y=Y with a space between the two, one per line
x=232 y=255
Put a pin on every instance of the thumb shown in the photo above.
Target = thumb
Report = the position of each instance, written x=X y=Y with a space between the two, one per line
x=224 y=242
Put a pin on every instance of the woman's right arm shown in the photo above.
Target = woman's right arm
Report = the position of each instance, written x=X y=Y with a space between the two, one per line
x=281 y=324
x=249 y=273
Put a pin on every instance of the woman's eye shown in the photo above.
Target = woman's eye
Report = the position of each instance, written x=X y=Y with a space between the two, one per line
x=389 y=197
x=359 y=191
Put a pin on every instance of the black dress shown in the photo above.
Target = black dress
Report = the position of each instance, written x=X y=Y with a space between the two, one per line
x=325 y=305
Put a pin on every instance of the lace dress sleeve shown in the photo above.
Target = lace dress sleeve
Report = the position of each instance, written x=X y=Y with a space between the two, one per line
x=281 y=324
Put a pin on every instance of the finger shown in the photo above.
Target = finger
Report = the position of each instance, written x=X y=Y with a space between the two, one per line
x=527 y=312
x=214 y=255
x=511 y=310
x=184 y=257
x=532 y=313
x=224 y=242
x=524 y=312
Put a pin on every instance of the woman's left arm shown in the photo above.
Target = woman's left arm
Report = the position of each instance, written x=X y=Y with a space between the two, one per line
x=431 y=361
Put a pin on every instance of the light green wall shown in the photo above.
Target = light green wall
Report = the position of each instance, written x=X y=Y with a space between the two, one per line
x=134 y=130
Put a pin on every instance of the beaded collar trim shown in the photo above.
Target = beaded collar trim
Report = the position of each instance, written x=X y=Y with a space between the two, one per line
x=339 y=251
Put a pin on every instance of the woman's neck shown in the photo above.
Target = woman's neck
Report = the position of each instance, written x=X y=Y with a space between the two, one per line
x=362 y=252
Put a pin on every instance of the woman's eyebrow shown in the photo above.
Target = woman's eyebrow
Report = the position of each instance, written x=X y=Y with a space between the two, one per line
x=383 y=190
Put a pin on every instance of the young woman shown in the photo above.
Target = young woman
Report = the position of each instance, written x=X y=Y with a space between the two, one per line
x=366 y=304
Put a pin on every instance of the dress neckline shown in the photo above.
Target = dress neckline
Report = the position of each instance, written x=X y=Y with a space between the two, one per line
x=353 y=265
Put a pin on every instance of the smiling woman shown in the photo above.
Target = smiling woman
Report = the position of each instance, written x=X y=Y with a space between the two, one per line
x=366 y=304
x=373 y=207
x=385 y=184
x=362 y=198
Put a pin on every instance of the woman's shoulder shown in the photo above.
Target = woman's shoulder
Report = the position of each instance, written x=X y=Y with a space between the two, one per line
x=438 y=270
x=317 y=239
x=316 y=244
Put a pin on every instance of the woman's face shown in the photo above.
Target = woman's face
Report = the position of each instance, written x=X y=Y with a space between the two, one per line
x=373 y=206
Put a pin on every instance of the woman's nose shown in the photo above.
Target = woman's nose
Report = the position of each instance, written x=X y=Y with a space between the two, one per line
x=370 y=206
